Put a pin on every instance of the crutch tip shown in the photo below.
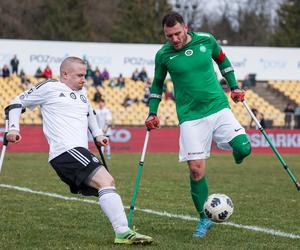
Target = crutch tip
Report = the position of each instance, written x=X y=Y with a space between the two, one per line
x=298 y=185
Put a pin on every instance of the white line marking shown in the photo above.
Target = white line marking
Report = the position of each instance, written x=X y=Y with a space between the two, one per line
x=164 y=214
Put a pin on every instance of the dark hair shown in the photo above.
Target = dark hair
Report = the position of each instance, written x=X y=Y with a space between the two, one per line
x=171 y=19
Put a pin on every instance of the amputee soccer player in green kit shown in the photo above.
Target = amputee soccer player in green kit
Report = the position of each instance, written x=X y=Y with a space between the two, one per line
x=202 y=107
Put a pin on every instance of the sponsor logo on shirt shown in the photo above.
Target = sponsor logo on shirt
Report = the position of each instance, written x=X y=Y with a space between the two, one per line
x=188 y=52
x=83 y=98
x=172 y=57
x=72 y=95
x=22 y=97
x=62 y=95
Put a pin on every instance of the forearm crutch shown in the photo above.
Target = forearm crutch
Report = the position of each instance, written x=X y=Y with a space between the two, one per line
x=285 y=166
x=138 y=177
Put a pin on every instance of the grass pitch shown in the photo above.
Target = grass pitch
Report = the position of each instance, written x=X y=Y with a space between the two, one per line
x=262 y=193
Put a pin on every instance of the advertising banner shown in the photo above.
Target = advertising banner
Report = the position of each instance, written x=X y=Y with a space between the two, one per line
x=268 y=63
x=128 y=139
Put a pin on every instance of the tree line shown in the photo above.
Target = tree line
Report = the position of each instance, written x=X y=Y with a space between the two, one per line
x=139 y=21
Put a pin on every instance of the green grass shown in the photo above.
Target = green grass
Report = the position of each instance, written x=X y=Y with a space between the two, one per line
x=261 y=190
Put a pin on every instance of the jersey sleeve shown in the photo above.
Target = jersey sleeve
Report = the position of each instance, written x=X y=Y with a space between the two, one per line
x=33 y=97
x=92 y=122
x=157 y=84
x=223 y=62
x=28 y=99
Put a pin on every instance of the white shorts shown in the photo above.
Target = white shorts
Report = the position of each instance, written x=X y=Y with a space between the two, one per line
x=196 y=136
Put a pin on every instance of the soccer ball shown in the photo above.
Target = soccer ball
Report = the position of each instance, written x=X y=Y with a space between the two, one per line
x=218 y=207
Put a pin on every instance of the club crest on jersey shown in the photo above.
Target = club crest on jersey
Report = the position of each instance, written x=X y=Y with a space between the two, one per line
x=95 y=159
x=72 y=95
x=202 y=48
x=188 y=52
x=83 y=98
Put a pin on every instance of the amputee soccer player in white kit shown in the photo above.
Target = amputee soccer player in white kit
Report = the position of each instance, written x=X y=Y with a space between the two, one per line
x=67 y=115
x=202 y=107
x=104 y=120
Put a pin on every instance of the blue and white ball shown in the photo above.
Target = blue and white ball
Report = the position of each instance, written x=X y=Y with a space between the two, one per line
x=218 y=207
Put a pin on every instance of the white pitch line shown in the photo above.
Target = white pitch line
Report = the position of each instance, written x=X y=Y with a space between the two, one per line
x=163 y=214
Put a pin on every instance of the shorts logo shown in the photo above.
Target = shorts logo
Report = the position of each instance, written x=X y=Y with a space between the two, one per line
x=95 y=159
x=83 y=98
x=195 y=153
x=72 y=95
x=188 y=52
x=202 y=48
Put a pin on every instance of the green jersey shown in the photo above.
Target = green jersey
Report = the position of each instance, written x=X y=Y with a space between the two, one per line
x=196 y=87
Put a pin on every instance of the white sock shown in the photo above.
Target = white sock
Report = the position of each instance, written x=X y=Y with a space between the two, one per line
x=108 y=149
x=111 y=204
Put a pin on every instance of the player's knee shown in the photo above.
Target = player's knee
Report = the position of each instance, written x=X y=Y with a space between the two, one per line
x=197 y=170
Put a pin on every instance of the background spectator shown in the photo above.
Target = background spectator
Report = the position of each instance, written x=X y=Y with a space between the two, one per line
x=143 y=76
x=135 y=75
x=169 y=90
x=89 y=71
x=97 y=96
x=261 y=119
x=297 y=117
x=247 y=82
x=224 y=85
x=288 y=115
x=5 y=71
x=105 y=74
x=39 y=73
x=120 y=81
x=47 y=73
x=24 y=80
x=146 y=95
x=255 y=112
x=129 y=101
x=97 y=79
x=14 y=63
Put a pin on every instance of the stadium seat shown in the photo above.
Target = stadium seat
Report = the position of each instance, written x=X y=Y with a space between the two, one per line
x=136 y=114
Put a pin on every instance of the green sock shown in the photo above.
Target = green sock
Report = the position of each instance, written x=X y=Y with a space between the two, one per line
x=199 y=192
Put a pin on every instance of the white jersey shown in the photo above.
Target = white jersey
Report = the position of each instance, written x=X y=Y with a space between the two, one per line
x=65 y=115
x=104 y=119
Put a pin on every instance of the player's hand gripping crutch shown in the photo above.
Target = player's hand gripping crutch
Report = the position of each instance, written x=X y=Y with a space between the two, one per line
x=101 y=153
x=285 y=166
x=138 y=177
x=5 y=141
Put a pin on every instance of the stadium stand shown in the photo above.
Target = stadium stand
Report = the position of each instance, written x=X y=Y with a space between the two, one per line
x=290 y=89
x=136 y=113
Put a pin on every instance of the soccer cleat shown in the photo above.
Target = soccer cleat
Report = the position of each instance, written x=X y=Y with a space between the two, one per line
x=132 y=237
x=202 y=227
x=108 y=157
